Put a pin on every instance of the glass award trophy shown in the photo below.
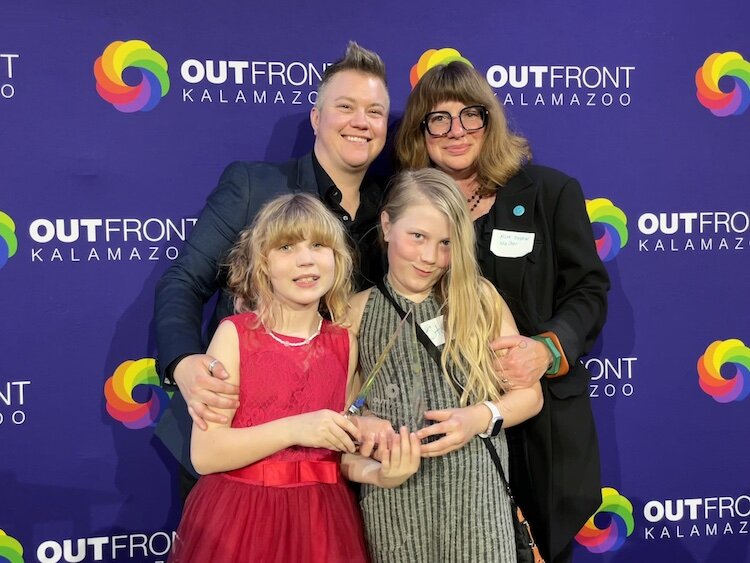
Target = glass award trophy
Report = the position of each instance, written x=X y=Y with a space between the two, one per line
x=395 y=393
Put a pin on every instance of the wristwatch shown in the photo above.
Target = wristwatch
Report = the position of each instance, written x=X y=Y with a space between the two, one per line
x=496 y=422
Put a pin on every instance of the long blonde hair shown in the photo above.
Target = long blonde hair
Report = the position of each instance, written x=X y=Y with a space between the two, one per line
x=287 y=219
x=503 y=152
x=472 y=308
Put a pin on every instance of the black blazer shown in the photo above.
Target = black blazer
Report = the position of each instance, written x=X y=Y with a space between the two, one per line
x=560 y=286
x=195 y=276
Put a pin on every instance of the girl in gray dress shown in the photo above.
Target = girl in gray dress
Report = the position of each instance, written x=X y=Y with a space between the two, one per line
x=455 y=507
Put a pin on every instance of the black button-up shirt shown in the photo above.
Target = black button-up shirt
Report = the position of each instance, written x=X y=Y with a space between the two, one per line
x=362 y=228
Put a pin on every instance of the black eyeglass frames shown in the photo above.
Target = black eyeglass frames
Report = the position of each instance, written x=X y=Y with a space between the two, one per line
x=439 y=123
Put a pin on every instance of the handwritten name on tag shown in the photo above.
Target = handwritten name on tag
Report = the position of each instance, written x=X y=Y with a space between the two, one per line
x=511 y=244
x=434 y=330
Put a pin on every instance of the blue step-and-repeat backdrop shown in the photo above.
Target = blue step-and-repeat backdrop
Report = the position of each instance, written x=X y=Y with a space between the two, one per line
x=644 y=102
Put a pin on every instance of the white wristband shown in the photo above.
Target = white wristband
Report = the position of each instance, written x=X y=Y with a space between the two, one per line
x=496 y=417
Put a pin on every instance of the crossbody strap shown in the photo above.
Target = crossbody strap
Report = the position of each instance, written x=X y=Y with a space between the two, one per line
x=435 y=354
x=432 y=350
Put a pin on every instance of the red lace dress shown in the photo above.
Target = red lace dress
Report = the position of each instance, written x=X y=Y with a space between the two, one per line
x=292 y=505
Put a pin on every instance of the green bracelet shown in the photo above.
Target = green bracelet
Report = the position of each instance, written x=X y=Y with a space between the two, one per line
x=547 y=341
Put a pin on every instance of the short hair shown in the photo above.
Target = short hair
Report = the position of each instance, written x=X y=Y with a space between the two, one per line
x=357 y=59
x=472 y=307
x=503 y=152
x=287 y=219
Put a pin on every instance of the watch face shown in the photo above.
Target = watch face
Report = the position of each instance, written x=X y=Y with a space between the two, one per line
x=497 y=427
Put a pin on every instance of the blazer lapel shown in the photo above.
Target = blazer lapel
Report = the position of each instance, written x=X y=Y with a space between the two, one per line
x=514 y=210
x=306 y=181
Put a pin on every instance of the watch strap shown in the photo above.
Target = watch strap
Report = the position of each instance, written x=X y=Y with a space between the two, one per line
x=560 y=364
x=493 y=429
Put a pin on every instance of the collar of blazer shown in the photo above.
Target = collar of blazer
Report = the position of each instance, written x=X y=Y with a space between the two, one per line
x=306 y=181
x=519 y=182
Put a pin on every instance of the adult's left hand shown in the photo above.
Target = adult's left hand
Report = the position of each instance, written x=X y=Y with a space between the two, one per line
x=520 y=361
x=458 y=426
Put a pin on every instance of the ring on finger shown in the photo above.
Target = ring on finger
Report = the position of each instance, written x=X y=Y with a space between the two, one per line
x=212 y=365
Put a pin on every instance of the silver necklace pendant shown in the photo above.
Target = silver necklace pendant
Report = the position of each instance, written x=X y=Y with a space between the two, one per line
x=294 y=344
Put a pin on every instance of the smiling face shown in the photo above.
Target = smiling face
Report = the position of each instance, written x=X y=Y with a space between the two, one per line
x=301 y=273
x=418 y=249
x=350 y=122
x=457 y=152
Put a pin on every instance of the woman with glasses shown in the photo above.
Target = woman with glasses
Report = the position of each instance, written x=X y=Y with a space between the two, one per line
x=535 y=244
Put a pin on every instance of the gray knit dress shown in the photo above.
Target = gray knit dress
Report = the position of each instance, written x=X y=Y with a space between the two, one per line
x=454 y=509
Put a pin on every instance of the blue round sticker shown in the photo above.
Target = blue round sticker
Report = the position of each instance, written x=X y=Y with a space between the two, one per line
x=519 y=210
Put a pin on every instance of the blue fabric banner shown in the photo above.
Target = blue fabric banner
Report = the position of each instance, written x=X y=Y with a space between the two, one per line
x=116 y=119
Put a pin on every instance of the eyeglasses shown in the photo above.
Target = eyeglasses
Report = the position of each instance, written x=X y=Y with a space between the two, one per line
x=439 y=123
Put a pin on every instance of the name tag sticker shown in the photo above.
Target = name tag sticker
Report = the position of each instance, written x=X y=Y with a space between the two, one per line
x=511 y=244
x=434 y=329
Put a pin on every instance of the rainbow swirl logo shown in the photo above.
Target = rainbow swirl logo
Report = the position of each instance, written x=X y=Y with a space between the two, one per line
x=8 y=240
x=616 y=512
x=11 y=550
x=610 y=227
x=716 y=67
x=434 y=57
x=120 y=55
x=140 y=377
x=724 y=370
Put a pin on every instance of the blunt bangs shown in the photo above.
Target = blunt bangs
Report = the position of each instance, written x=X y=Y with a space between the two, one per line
x=297 y=221
x=454 y=81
